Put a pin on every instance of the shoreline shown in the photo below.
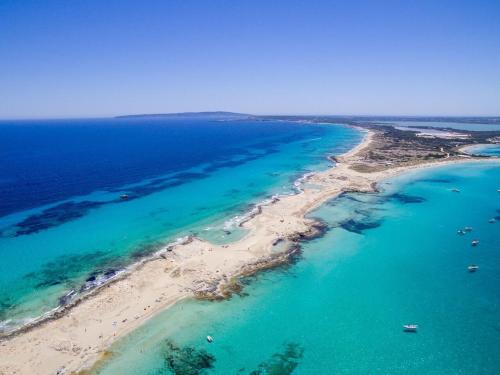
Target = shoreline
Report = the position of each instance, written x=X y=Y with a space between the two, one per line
x=76 y=297
x=471 y=149
x=74 y=339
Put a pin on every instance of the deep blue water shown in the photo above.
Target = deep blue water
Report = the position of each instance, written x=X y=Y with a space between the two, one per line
x=47 y=161
x=63 y=226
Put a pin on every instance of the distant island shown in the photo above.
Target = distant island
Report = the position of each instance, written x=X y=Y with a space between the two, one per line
x=220 y=115
x=340 y=119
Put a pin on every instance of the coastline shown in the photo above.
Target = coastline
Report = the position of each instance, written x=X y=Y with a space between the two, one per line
x=75 y=338
x=472 y=149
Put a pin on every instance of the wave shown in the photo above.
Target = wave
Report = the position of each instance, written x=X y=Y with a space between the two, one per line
x=239 y=220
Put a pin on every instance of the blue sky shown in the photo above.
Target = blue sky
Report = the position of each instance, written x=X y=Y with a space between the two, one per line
x=99 y=58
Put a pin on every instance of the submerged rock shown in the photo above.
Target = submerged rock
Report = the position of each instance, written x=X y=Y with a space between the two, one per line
x=187 y=360
x=282 y=363
x=358 y=227
x=405 y=198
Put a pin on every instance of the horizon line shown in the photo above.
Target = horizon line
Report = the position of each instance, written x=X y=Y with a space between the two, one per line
x=96 y=117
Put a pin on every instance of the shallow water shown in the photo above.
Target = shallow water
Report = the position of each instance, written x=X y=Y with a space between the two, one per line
x=452 y=125
x=65 y=227
x=388 y=259
x=483 y=150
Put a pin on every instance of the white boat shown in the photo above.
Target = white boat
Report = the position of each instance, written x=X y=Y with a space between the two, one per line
x=461 y=232
x=468 y=229
x=455 y=190
x=492 y=220
x=410 y=327
x=124 y=197
x=474 y=242
x=210 y=339
x=473 y=268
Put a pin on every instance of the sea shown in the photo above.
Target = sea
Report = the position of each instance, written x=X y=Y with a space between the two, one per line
x=484 y=150
x=447 y=125
x=387 y=259
x=81 y=200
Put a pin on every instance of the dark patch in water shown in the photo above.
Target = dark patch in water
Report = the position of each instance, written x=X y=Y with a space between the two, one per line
x=145 y=250
x=226 y=164
x=64 y=212
x=190 y=176
x=273 y=174
x=349 y=196
x=162 y=182
x=232 y=192
x=216 y=165
x=5 y=306
x=54 y=216
x=64 y=269
x=332 y=203
x=356 y=226
x=437 y=180
x=406 y=198
x=68 y=211
x=363 y=211
x=282 y=363
x=187 y=360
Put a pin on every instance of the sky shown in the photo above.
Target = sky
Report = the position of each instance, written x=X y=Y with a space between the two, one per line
x=94 y=58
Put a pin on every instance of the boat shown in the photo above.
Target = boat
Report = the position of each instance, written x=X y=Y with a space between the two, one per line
x=410 y=327
x=461 y=232
x=124 y=197
x=474 y=242
x=468 y=229
x=455 y=190
x=492 y=220
x=473 y=268
x=210 y=339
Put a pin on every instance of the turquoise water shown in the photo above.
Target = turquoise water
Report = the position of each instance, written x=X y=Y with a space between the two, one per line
x=484 y=150
x=388 y=259
x=74 y=248
x=453 y=125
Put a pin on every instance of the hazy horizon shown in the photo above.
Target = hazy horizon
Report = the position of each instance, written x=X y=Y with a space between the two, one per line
x=20 y=118
x=90 y=59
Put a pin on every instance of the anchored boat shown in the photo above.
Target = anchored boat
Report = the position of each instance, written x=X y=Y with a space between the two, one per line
x=473 y=268
x=410 y=327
